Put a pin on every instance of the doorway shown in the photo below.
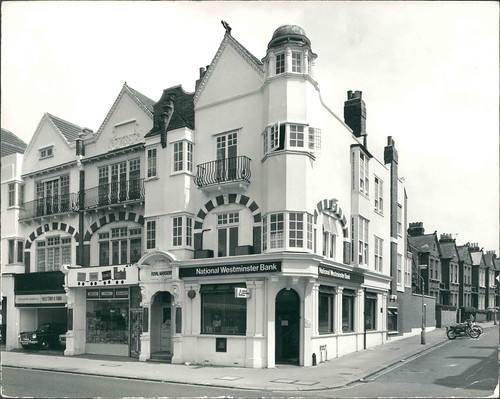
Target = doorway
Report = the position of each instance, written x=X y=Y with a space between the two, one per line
x=161 y=326
x=287 y=327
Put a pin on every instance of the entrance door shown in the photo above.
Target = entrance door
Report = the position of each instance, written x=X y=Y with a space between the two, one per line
x=287 y=327
x=135 y=332
x=166 y=329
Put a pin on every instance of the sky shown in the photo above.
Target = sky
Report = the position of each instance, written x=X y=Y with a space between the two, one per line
x=428 y=72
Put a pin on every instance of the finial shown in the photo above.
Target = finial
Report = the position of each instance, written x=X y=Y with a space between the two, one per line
x=226 y=27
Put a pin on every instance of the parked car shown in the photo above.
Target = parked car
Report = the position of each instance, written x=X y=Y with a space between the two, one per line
x=46 y=336
x=62 y=340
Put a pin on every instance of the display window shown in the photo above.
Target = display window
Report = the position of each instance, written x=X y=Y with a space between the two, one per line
x=221 y=311
x=326 y=309
x=370 y=311
x=348 y=310
x=108 y=321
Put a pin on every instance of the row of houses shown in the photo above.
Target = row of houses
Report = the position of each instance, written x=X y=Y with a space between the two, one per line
x=243 y=224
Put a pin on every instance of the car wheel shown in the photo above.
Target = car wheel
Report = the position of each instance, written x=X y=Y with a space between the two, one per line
x=25 y=346
x=45 y=345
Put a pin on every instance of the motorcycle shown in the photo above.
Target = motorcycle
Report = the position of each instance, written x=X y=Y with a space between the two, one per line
x=462 y=329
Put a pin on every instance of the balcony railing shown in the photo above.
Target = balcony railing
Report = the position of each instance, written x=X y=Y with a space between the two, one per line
x=49 y=206
x=114 y=193
x=225 y=170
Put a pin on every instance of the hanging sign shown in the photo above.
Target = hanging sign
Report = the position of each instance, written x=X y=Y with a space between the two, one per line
x=241 y=292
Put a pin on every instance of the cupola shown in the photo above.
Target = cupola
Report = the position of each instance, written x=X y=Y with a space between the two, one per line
x=289 y=52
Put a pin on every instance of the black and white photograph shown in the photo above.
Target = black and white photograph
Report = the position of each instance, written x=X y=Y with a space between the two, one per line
x=250 y=199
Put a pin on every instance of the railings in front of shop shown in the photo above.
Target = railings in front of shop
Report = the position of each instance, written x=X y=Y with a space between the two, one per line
x=114 y=193
x=224 y=170
x=51 y=205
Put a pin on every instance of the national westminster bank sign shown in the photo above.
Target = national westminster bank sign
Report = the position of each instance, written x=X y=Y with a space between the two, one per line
x=228 y=270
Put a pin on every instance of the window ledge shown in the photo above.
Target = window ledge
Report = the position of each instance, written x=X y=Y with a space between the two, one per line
x=152 y=178
x=380 y=213
x=392 y=333
x=182 y=172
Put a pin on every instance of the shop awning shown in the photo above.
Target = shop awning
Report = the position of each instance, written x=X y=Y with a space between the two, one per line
x=348 y=292
x=326 y=289
x=370 y=295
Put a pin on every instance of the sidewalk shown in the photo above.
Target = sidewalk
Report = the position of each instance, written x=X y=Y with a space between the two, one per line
x=335 y=373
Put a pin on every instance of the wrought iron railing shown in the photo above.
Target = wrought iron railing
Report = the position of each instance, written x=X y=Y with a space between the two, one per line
x=114 y=193
x=49 y=206
x=223 y=170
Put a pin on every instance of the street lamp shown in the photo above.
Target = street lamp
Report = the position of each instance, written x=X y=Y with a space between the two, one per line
x=422 y=333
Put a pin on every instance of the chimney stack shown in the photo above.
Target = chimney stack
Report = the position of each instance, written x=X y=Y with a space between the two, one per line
x=416 y=229
x=445 y=237
x=355 y=114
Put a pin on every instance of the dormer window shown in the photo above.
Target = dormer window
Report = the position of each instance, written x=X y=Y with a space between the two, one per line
x=296 y=62
x=46 y=152
x=280 y=63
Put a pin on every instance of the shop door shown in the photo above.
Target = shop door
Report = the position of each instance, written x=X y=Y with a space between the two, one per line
x=166 y=329
x=287 y=330
x=135 y=332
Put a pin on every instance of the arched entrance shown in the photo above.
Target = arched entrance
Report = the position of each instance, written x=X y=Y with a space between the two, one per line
x=287 y=327
x=161 y=326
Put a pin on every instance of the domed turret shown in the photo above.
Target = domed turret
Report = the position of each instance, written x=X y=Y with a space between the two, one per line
x=288 y=34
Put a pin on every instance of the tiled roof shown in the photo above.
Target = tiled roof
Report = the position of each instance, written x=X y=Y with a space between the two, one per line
x=148 y=103
x=423 y=243
x=463 y=253
x=497 y=263
x=183 y=115
x=11 y=144
x=69 y=130
x=448 y=250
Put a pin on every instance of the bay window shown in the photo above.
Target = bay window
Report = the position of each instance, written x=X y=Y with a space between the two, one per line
x=151 y=234
x=182 y=231
x=291 y=136
x=362 y=241
x=152 y=162
x=280 y=63
x=296 y=62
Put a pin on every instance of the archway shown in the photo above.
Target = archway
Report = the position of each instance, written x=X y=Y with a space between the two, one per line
x=287 y=327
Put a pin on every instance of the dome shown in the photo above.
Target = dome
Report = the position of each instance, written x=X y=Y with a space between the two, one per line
x=288 y=33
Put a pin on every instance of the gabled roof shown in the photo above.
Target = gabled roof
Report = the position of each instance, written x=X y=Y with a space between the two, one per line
x=69 y=130
x=183 y=113
x=11 y=144
x=464 y=254
x=424 y=243
x=141 y=100
x=488 y=259
x=448 y=250
x=477 y=258
x=254 y=62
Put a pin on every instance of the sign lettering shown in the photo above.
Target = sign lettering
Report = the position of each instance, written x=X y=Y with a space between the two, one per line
x=340 y=274
x=264 y=267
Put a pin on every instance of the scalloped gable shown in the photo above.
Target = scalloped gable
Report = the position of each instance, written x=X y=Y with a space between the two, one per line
x=232 y=72
x=183 y=114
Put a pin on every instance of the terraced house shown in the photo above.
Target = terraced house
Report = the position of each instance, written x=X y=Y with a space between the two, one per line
x=246 y=223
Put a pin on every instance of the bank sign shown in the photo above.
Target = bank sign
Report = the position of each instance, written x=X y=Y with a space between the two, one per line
x=227 y=270
x=340 y=274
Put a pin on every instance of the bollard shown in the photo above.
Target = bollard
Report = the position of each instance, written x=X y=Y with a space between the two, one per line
x=314 y=359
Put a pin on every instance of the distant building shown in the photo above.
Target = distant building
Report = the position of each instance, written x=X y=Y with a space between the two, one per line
x=12 y=251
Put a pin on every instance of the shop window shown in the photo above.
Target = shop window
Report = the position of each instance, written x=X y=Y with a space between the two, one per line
x=107 y=321
x=348 y=297
x=326 y=312
x=392 y=319
x=221 y=312
x=370 y=311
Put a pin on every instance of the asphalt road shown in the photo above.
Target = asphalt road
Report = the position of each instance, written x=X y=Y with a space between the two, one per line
x=461 y=368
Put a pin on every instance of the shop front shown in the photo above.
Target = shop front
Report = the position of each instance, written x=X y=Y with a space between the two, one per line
x=39 y=298
x=103 y=308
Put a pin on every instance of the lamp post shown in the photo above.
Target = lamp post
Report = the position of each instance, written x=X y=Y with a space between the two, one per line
x=422 y=333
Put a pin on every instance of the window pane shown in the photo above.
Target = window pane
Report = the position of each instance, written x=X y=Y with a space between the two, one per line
x=222 y=313
x=325 y=313
x=347 y=313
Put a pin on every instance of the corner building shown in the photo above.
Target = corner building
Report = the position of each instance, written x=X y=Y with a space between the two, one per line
x=270 y=232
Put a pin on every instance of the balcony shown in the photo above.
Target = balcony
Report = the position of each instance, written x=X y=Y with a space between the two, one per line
x=234 y=171
x=48 y=206
x=114 y=193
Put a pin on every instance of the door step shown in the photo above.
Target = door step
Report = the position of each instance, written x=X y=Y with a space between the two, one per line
x=161 y=357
